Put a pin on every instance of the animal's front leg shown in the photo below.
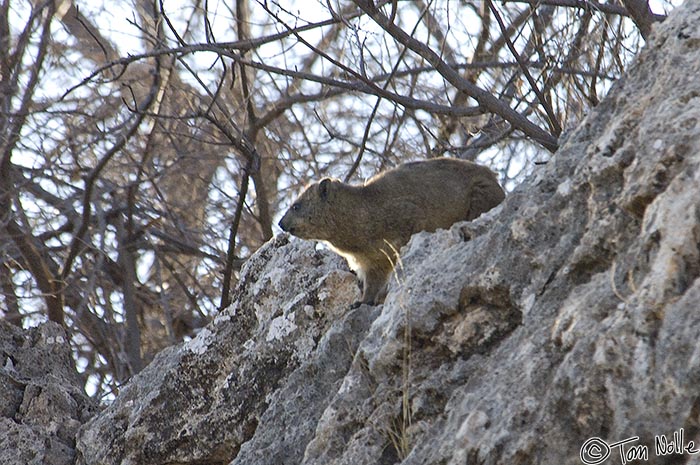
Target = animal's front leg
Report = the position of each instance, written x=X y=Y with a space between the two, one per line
x=374 y=286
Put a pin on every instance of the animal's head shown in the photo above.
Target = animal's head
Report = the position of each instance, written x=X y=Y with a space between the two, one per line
x=311 y=215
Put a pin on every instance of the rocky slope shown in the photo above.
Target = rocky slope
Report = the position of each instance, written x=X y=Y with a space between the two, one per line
x=42 y=405
x=569 y=313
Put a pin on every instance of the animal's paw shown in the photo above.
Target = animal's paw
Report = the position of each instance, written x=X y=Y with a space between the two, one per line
x=356 y=304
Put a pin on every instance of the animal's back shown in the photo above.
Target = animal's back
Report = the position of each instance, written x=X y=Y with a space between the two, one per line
x=432 y=194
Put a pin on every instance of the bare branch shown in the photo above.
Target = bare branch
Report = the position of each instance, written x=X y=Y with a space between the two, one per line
x=12 y=125
x=641 y=15
x=486 y=99
x=231 y=250
x=395 y=68
x=607 y=8
x=90 y=180
x=552 y=118
x=39 y=266
x=127 y=262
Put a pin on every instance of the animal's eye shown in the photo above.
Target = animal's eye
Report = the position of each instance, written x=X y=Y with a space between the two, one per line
x=296 y=207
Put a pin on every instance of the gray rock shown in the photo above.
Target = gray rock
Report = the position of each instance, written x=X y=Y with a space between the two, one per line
x=252 y=384
x=42 y=404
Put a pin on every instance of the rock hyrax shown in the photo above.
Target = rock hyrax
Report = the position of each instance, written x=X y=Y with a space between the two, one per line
x=368 y=224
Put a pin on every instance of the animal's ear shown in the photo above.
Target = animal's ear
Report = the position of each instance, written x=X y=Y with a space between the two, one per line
x=324 y=187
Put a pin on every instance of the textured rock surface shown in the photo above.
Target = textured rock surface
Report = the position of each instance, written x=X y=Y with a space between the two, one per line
x=41 y=400
x=570 y=312
x=254 y=382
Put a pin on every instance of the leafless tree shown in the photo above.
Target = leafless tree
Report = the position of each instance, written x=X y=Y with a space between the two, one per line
x=146 y=147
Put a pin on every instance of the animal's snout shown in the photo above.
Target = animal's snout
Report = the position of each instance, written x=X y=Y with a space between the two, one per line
x=285 y=227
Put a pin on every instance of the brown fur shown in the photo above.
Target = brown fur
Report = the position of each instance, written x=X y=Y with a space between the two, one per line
x=368 y=224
